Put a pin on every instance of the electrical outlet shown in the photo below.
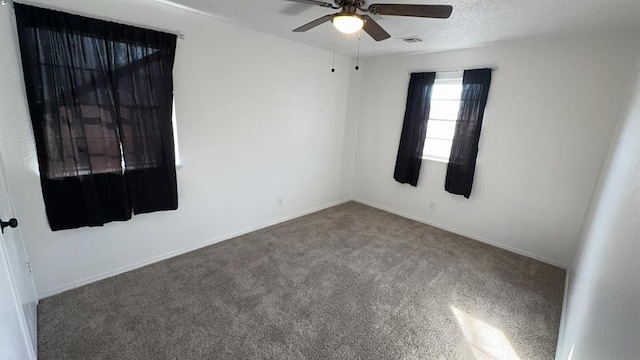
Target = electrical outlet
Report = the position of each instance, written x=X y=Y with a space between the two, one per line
x=432 y=205
x=280 y=201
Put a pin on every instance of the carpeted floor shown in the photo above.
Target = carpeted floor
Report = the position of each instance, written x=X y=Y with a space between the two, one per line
x=349 y=282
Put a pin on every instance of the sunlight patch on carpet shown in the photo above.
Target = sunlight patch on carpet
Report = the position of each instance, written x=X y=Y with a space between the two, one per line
x=486 y=342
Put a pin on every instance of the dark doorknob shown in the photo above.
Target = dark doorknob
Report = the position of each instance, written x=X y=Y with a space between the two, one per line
x=11 y=223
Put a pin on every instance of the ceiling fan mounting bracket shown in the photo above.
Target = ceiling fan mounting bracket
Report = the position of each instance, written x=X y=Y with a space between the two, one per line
x=349 y=9
x=347 y=3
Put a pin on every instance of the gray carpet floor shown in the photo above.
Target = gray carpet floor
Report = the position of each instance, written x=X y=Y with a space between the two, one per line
x=349 y=282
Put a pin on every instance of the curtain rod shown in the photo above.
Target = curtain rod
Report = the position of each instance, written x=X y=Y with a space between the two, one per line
x=493 y=68
x=178 y=34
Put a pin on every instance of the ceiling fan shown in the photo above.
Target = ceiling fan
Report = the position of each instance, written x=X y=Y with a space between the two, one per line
x=348 y=20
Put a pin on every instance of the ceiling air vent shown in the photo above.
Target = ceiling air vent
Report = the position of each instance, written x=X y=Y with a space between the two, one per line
x=411 y=39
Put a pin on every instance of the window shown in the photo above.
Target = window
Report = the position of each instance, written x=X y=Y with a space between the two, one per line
x=455 y=107
x=86 y=133
x=445 y=103
x=100 y=98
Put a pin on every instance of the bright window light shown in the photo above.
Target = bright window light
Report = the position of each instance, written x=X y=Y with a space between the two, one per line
x=176 y=149
x=445 y=104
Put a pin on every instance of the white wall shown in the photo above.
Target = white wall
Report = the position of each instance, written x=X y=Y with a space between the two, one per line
x=552 y=108
x=602 y=309
x=259 y=118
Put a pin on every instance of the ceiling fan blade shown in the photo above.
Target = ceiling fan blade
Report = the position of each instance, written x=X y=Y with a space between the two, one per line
x=314 y=23
x=428 y=11
x=314 y=2
x=374 y=29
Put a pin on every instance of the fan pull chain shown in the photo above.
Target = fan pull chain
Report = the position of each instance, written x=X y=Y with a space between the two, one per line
x=358 y=57
x=333 y=63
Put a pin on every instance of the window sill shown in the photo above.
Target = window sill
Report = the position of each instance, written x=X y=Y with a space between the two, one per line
x=436 y=160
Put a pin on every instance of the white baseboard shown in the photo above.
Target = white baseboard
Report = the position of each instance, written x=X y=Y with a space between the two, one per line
x=123 y=269
x=143 y=263
x=563 y=315
x=474 y=237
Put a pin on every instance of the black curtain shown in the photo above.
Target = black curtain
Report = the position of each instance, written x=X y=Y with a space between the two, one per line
x=414 y=128
x=462 y=161
x=100 y=97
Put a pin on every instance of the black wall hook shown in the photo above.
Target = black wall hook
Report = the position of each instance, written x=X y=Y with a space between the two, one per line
x=11 y=223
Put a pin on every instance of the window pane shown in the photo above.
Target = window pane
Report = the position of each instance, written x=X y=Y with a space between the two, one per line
x=444 y=109
x=176 y=149
x=441 y=129
x=445 y=105
x=446 y=91
x=437 y=148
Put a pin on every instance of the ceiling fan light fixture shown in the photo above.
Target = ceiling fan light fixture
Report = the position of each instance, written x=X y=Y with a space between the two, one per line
x=347 y=23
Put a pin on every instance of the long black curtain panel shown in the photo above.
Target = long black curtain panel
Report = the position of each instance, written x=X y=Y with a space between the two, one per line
x=100 y=97
x=464 y=151
x=414 y=128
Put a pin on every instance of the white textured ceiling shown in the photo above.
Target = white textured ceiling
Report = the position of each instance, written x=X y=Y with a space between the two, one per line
x=472 y=23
